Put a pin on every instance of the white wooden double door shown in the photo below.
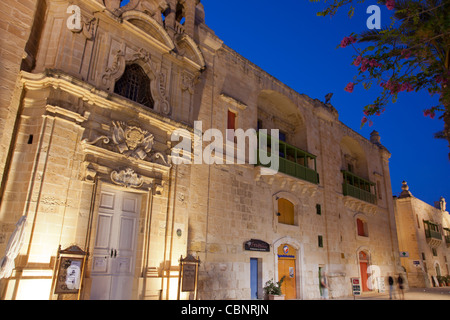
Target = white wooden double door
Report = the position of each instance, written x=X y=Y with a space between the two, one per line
x=115 y=245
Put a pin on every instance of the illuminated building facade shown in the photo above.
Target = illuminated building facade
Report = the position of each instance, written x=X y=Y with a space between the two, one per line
x=93 y=94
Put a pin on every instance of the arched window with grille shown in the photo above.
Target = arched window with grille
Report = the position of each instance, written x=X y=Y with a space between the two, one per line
x=135 y=85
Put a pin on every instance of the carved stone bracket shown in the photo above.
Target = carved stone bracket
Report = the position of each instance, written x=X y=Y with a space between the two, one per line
x=359 y=205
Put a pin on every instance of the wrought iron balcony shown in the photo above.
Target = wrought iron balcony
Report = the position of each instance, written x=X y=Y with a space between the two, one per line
x=293 y=161
x=358 y=188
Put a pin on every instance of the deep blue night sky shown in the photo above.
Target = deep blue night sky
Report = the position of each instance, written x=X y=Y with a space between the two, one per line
x=288 y=40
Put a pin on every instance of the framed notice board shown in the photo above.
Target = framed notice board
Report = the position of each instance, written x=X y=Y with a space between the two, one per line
x=68 y=276
x=188 y=276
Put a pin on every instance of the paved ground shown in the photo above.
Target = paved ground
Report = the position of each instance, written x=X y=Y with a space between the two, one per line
x=442 y=293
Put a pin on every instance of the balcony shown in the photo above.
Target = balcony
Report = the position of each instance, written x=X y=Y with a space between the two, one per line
x=293 y=161
x=432 y=234
x=447 y=237
x=358 y=188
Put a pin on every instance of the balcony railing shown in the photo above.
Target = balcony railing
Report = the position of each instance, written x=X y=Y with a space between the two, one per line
x=293 y=161
x=358 y=187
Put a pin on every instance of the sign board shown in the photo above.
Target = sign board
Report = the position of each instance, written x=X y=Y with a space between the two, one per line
x=189 y=274
x=356 y=286
x=416 y=263
x=404 y=254
x=69 y=275
x=188 y=277
x=257 y=245
x=69 y=271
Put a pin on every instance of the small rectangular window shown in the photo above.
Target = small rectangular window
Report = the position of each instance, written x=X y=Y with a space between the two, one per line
x=231 y=125
x=379 y=190
x=320 y=239
x=259 y=124
x=318 y=209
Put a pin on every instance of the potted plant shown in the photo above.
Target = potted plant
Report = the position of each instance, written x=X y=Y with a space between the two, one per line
x=447 y=280
x=273 y=289
x=441 y=280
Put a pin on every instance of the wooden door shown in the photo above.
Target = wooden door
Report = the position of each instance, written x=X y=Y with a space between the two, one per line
x=363 y=267
x=286 y=268
x=287 y=256
x=115 y=245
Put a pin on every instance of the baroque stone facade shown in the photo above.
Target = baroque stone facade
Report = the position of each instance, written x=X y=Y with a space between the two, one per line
x=87 y=160
x=424 y=238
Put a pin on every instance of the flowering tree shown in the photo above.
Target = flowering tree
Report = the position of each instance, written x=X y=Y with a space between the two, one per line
x=411 y=54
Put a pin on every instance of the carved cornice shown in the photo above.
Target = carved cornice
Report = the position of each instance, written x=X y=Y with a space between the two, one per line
x=90 y=95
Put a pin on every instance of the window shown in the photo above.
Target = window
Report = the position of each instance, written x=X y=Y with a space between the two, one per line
x=362 y=228
x=259 y=125
x=379 y=190
x=282 y=137
x=320 y=240
x=231 y=125
x=350 y=168
x=318 y=209
x=285 y=211
x=180 y=14
x=135 y=85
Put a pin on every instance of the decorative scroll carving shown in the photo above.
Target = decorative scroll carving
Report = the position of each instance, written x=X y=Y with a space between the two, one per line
x=127 y=178
x=104 y=138
x=187 y=82
x=164 y=104
x=117 y=65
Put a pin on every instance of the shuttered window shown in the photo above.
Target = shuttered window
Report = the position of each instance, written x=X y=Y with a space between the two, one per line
x=285 y=211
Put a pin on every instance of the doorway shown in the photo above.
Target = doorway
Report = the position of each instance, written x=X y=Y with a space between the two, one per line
x=363 y=265
x=255 y=278
x=287 y=256
x=114 y=251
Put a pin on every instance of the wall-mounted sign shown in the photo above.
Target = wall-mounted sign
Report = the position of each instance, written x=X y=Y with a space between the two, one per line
x=285 y=251
x=257 y=245
x=404 y=254
x=356 y=286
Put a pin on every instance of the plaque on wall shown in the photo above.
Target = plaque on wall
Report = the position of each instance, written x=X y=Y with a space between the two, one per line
x=257 y=245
